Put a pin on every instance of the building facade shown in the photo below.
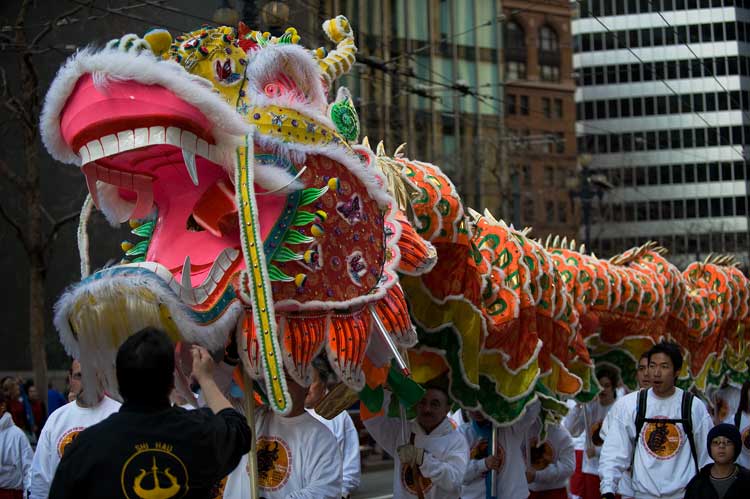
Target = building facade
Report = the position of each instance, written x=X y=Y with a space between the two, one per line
x=663 y=108
x=499 y=121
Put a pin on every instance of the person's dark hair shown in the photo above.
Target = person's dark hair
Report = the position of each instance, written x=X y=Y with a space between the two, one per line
x=644 y=355
x=3 y=399
x=145 y=367
x=671 y=350
x=441 y=384
x=611 y=374
x=744 y=399
x=325 y=371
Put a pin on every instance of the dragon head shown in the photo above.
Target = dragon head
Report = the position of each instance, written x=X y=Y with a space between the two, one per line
x=263 y=231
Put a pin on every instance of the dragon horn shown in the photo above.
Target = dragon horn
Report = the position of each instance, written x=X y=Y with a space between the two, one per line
x=549 y=239
x=399 y=152
x=380 y=149
x=339 y=61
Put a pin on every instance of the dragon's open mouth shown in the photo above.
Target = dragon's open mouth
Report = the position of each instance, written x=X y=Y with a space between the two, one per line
x=172 y=173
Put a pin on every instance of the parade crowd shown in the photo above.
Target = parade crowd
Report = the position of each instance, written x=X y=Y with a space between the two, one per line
x=656 y=442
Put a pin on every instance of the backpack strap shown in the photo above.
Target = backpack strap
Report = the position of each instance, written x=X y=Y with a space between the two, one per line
x=687 y=424
x=640 y=420
x=738 y=418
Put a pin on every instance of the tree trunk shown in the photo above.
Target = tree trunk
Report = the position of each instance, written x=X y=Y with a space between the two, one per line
x=37 y=308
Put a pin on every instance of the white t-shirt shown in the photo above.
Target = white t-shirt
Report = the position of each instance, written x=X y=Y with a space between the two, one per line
x=511 y=477
x=663 y=462
x=62 y=427
x=556 y=462
x=297 y=459
x=575 y=422
x=744 y=459
x=444 y=461
x=15 y=454
x=346 y=435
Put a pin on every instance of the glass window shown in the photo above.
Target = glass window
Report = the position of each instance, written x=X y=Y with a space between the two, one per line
x=612 y=105
x=672 y=70
x=710 y=101
x=557 y=110
x=546 y=107
x=515 y=36
x=718 y=32
x=706 y=32
x=549 y=176
x=646 y=37
x=697 y=103
x=714 y=174
x=648 y=106
x=611 y=74
x=623 y=71
x=731 y=31
x=700 y=137
x=515 y=70
x=625 y=108
x=548 y=40
x=637 y=106
x=658 y=36
x=661 y=104
x=722 y=100
x=664 y=175
x=676 y=139
x=666 y=210
x=562 y=212
x=721 y=66
x=635 y=72
x=525 y=105
x=694 y=31
x=739 y=206
x=702 y=208
x=689 y=174
x=726 y=172
x=653 y=175
x=691 y=208
x=510 y=99
x=550 y=73
x=737 y=136
x=677 y=174
x=687 y=138
x=728 y=207
x=640 y=176
x=674 y=104
x=716 y=207
x=678 y=208
x=633 y=38
x=549 y=209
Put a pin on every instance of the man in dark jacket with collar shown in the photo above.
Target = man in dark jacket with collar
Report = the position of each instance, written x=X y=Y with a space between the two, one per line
x=150 y=448
x=724 y=479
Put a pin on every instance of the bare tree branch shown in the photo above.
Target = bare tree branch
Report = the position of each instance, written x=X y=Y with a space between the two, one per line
x=54 y=23
x=59 y=224
x=16 y=227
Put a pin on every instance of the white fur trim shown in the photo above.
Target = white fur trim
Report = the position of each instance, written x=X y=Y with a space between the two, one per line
x=144 y=68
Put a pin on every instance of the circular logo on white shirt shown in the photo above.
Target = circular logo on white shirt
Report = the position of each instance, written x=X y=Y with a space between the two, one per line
x=662 y=439
x=746 y=439
x=67 y=438
x=274 y=462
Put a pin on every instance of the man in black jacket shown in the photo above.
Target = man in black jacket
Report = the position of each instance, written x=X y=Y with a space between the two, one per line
x=723 y=479
x=150 y=449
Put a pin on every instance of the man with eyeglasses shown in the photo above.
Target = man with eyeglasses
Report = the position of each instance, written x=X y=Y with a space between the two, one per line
x=62 y=427
x=724 y=479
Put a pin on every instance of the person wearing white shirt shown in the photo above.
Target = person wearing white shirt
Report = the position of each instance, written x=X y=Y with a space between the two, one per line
x=297 y=456
x=587 y=420
x=15 y=455
x=507 y=460
x=552 y=463
x=341 y=426
x=431 y=461
x=662 y=456
x=62 y=427
x=741 y=419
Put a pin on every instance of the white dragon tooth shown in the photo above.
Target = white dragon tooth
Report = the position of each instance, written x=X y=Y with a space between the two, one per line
x=188 y=140
x=84 y=154
x=192 y=168
x=201 y=149
x=140 y=137
x=157 y=135
x=200 y=295
x=126 y=140
x=186 y=268
x=232 y=253
x=109 y=145
x=173 y=136
x=95 y=150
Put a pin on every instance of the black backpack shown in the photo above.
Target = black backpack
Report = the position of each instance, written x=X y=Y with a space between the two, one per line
x=686 y=420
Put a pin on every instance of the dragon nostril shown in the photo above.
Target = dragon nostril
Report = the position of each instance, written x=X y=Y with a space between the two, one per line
x=193 y=226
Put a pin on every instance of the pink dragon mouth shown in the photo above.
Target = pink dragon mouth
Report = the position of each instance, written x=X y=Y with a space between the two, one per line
x=153 y=156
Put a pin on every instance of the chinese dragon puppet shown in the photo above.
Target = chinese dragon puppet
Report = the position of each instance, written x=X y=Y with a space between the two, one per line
x=266 y=232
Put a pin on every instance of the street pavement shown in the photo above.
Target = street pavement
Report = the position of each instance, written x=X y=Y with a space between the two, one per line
x=377 y=484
